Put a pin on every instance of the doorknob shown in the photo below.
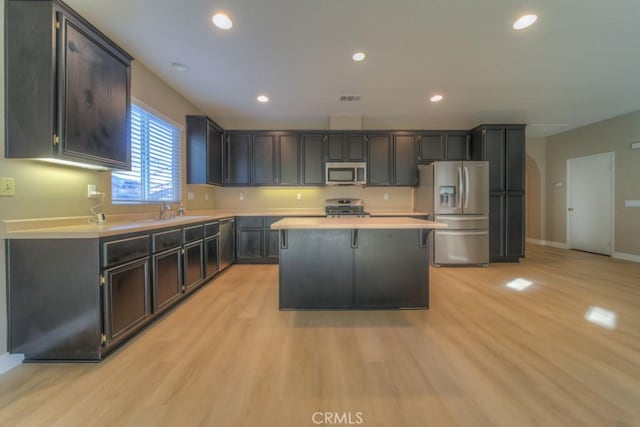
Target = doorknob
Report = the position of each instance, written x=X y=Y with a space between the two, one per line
x=570 y=209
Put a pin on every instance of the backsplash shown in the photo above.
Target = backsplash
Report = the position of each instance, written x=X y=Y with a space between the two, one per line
x=399 y=198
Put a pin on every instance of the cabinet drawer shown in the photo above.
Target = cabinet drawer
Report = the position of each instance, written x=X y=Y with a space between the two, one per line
x=119 y=251
x=250 y=222
x=167 y=240
x=211 y=229
x=194 y=233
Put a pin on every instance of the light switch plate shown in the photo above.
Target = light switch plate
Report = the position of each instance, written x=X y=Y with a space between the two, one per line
x=91 y=191
x=7 y=186
x=632 y=203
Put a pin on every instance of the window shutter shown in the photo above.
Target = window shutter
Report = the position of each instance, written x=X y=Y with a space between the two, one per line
x=155 y=161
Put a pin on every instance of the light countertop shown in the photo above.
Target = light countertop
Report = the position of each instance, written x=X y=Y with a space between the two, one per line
x=80 y=228
x=380 y=223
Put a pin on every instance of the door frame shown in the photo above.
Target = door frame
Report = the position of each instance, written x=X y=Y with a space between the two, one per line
x=612 y=156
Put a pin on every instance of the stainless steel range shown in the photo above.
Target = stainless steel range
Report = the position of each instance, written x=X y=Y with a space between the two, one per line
x=336 y=208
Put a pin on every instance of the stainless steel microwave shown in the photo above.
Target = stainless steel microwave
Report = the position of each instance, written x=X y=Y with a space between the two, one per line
x=346 y=173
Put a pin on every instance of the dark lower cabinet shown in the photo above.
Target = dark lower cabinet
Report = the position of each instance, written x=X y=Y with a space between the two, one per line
x=78 y=299
x=249 y=244
x=514 y=213
x=316 y=269
x=193 y=264
x=390 y=269
x=227 y=242
x=126 y=299
x=353 y=269
x=167 y=278
x=256 y=242
x=211 y=256
x=506 y=227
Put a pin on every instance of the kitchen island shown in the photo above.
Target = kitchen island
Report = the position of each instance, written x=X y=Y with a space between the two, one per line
x=354 y=263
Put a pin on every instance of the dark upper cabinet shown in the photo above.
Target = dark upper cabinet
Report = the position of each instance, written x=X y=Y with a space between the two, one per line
x=504 y=147
x=515 y=158
x=457 y=145
x=263 y=163
x=312 y=158
x=68 y=87
x=379 y=165
x=392 y=160
x=275 y=159
x=288 y=159
x=443 y=145
x=237 y=159
x=405 y=161
x=431 y=146
x=346 y=147
x=204 y=151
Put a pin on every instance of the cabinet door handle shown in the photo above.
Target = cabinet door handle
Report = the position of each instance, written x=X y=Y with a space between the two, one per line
x=354 y=239
x=424 y=235
x=283 y=239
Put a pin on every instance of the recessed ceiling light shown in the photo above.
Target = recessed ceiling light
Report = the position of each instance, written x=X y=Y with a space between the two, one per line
x=524 y=21
x=263 y=98
x=359 y=56
x=179 y=66
x=222 y=21
x=436 y=98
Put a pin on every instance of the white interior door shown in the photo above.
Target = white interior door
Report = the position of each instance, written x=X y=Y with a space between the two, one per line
x=590 y=203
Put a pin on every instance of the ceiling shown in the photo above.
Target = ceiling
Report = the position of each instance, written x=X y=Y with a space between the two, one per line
x=578 y=64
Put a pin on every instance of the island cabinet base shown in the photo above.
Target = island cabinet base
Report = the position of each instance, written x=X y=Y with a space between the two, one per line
x=354 y=269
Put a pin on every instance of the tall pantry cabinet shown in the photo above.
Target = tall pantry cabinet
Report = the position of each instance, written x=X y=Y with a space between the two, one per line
x=504 y=147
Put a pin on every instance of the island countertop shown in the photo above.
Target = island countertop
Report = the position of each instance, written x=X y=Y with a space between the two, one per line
x=379 y=223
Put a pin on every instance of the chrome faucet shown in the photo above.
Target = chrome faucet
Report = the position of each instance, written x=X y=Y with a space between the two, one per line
x=166 y=212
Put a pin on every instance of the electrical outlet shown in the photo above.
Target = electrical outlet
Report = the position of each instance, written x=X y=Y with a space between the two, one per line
x=7 y=186
x=206 y=196
x=299 y=196
x=91 y=191
x=386 y=196
x=241 y=195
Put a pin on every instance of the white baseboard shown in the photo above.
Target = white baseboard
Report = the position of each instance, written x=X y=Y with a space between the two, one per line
x=558 y=245
x=9 y=361
x=616 y=255
x=626 y=257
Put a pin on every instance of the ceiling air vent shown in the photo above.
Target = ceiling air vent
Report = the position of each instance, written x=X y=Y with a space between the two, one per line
x=350 y=98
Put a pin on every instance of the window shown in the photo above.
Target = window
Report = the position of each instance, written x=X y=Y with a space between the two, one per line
x=155 y=161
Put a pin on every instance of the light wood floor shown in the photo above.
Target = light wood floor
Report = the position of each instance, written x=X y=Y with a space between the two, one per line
x=483 y=355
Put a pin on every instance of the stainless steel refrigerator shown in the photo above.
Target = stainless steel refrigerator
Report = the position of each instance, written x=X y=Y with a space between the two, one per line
x=457 y=193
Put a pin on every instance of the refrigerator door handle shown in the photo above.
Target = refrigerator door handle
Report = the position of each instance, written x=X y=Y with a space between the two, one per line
x=466 y=187
x=460 y=187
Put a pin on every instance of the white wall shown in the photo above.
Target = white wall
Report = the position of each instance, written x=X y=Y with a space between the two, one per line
x=613 y=135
